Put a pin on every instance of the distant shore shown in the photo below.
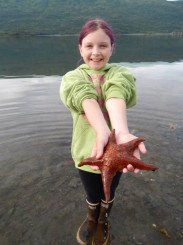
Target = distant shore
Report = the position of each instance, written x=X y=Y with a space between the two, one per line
x=70 y=35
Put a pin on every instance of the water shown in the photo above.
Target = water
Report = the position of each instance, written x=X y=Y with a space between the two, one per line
x=57 y=55
x=41 y=197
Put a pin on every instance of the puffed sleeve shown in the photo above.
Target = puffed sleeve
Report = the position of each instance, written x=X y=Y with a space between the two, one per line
x=120 y=83
x=75 y=89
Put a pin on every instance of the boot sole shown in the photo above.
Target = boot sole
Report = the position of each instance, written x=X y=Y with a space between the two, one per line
x=77 y=235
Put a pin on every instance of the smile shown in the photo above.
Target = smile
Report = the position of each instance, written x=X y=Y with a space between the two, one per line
x=96 y=60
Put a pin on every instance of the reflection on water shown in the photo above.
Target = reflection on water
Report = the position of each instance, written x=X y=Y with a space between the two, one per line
x=41 y=197
x=57 y=55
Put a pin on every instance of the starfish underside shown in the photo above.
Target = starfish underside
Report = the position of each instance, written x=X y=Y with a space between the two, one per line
x=115 y=158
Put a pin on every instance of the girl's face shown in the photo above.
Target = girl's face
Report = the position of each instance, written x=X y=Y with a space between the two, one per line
x=96 y=49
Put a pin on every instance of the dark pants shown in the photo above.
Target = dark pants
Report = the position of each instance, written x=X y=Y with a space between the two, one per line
x=94 y=188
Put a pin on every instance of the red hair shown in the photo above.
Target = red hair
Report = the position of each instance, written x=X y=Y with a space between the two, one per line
x=94 y=25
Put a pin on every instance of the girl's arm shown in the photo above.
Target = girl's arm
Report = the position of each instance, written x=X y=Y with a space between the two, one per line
x=117 y=112
x=96 y=119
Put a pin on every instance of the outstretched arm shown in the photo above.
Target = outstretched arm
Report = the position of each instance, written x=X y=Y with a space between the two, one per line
x=117 y=112
x=98 y=123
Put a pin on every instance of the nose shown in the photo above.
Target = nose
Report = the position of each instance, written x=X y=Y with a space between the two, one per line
x=96 y=51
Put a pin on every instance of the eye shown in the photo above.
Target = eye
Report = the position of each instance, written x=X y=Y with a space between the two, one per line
x=89 y=46
x=103 y=46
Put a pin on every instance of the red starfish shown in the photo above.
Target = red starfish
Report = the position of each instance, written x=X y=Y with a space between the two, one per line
x=115 y=158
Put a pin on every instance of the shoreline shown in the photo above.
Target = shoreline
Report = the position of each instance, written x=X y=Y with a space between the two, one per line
x=126 y=64
x=2 y=35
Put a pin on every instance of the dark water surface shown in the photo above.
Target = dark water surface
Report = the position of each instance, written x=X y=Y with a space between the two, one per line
x=42 y=201
x=57 y=55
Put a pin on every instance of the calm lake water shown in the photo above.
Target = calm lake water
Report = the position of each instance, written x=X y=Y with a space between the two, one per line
x=42 y=201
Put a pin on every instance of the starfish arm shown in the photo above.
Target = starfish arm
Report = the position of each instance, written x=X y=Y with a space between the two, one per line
x=132 y=145
x=111 y=141
x=137 y=163
x=91 y=161
x=112 y=138
x=107 y=177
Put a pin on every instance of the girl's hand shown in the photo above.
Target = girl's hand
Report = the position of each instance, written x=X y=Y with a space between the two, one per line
x=98 y=148
x=124 y=138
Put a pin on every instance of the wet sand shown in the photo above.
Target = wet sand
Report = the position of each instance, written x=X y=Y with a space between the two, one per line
x=41 y=197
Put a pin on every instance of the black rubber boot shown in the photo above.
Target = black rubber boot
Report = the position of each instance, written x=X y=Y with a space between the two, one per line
x=88 y=227
x=102 y=234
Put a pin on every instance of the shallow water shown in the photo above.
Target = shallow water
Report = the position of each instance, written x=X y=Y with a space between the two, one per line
x=42 y=199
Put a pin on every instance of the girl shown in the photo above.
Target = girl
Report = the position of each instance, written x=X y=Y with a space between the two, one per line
x=97 y=94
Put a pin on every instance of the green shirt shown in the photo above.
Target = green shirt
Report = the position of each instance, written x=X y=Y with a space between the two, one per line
x=112 y=81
